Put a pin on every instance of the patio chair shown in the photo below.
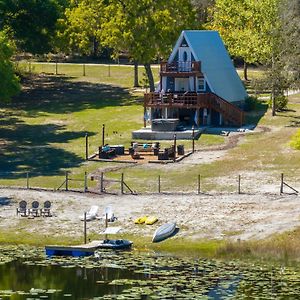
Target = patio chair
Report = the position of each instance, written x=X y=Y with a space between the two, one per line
x=110 y=214
x=92 y=213
x=45 y=211
x=22 y=209
x=34 y=210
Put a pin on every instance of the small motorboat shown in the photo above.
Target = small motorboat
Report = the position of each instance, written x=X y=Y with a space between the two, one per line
x=163 y=232
x=115 y=244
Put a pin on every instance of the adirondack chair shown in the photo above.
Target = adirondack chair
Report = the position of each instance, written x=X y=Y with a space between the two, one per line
x=92 y=213
x=22 y=209
x=34 y=210
x=45 y=211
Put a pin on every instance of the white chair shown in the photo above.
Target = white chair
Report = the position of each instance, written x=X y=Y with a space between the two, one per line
x=92 y=213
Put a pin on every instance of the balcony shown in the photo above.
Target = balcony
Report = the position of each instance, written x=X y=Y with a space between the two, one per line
x=176 y=67
x=192 y=100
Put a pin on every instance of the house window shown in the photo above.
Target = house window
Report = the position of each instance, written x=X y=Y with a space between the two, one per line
x=185 y=56
x=201 y=84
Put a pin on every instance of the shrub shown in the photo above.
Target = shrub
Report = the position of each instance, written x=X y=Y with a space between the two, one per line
x=251 y=103
x=280 y=102
x=295 y=140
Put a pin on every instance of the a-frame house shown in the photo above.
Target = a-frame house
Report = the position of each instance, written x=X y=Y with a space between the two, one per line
x=198 y=84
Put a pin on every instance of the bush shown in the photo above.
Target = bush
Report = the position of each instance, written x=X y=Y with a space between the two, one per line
x=280 y=102
x=251 y=103
x=295 y=140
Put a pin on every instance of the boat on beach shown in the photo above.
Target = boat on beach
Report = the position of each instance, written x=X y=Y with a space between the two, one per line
x=163 y=232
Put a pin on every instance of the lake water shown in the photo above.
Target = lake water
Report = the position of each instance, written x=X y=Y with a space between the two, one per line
x=26 y=273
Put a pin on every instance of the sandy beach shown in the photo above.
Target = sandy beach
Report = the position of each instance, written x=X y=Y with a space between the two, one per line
x=226 y=216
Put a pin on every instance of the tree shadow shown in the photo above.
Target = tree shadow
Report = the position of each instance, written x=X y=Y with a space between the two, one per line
x=5 y=201
x=58 y=94
x=27 y=148
x=254 y=116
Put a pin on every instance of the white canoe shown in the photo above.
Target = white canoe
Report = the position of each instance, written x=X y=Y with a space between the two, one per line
x=163 y=232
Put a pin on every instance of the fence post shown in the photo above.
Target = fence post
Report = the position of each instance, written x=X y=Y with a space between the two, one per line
x=84 y=227
x=27 y=180
x=67 y=183
x=86 y=146
x=122 y=183
x=239 y=184
x=174 y=147
x=193 y=139
x=85 y=182
x=83 y=69
x=281 y=184
x=199 y=178
x=108 y=69
x=101 y=182
x=159 y=184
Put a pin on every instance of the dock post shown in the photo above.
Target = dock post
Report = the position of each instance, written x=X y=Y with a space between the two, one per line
x=106 y=223
x=159 y=184
x=84 y=227
x=199 y=184
x=27 y=180
x=239 y=184
x=122 y=183
x=86 y=146
x=85 y=182
x=103 y=134
x=281 y=184
x=101 y=183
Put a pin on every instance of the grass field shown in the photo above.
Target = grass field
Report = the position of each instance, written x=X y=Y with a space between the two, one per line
x=42 y=131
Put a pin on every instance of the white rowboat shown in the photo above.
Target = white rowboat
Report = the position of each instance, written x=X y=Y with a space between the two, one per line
x=163 y=232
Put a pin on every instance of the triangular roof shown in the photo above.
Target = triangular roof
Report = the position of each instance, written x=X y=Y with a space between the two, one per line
x=207 y=47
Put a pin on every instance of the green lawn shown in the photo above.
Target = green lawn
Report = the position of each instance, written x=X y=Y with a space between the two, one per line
x=43 y=132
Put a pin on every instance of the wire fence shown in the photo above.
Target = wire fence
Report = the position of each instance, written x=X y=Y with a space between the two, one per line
x=122 y=184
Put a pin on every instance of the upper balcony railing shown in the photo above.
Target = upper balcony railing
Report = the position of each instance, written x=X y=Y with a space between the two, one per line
x=180 y=66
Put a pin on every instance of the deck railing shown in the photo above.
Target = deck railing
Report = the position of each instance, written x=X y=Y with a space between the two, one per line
x=180 y=66
x=193 y=100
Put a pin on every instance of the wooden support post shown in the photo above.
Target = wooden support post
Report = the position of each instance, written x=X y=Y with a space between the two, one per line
x=101 y=182
x=56 y=68
x=27 y=180
x=84 y=227
x=239 y=184
x=83 y=69
x=108 y=70
x=144 y=116
x=85 y=182
x=122 y=183
x=86 y=146
x=281 y=184
x=193 y=139
x=159 y=184
x=103 y=134
x=67 y=179
x=106 y=223
x=199 y=184
x=174 y=147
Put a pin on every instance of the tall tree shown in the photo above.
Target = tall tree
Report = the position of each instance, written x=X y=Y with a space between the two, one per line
x=9 y=83
x=145 y=29
x=80 y=28
x=30 y=23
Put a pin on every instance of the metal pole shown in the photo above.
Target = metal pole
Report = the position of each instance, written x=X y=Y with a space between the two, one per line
x=85 y=182
x=67 y=186
x=86 y=146
x=83 y=69
x=199 y=184
x=101 y=183
x=103 y=134
x=239 y=184
x=84 y=227
x=174 y=147
x=122 y=183
x=281 y=184
x=159 y=184
x=27 y=180
x=193 y=139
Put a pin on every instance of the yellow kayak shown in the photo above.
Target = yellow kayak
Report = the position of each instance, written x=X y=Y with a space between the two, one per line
x=151 y=220
x=141 y=220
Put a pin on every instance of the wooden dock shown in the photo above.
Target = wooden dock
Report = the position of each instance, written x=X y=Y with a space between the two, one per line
x=76 y=250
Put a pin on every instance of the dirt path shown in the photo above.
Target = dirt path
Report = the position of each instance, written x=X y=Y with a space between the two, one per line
x=229 y=216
